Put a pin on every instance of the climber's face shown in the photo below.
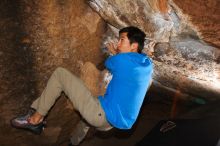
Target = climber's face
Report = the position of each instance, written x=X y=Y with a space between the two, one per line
x=124 y=44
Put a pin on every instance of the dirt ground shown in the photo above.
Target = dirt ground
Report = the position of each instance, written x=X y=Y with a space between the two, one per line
x=157 y=108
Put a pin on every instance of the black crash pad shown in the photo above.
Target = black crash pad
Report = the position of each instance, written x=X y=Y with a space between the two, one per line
x=184 y=132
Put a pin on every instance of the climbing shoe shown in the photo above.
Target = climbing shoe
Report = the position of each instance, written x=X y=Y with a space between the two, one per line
x=22 y=122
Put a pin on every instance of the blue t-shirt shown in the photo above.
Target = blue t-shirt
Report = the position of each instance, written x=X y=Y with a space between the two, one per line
x=132 y=73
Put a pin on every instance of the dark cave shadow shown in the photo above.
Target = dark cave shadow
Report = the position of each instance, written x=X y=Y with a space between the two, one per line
x=18 y=75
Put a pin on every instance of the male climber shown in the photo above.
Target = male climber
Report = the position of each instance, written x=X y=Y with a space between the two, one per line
x=118 y=107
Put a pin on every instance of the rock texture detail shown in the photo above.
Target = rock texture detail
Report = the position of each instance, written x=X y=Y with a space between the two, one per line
x=142 y=13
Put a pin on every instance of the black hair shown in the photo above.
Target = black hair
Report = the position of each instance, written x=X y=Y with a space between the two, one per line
x=135 y=35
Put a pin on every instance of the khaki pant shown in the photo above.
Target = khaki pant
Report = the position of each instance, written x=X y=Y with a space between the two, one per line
x=82 y=99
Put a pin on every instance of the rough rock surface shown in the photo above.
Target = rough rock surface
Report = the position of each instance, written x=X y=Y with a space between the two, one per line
x=145 y=14
x=93 y=78
x=204 y=15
